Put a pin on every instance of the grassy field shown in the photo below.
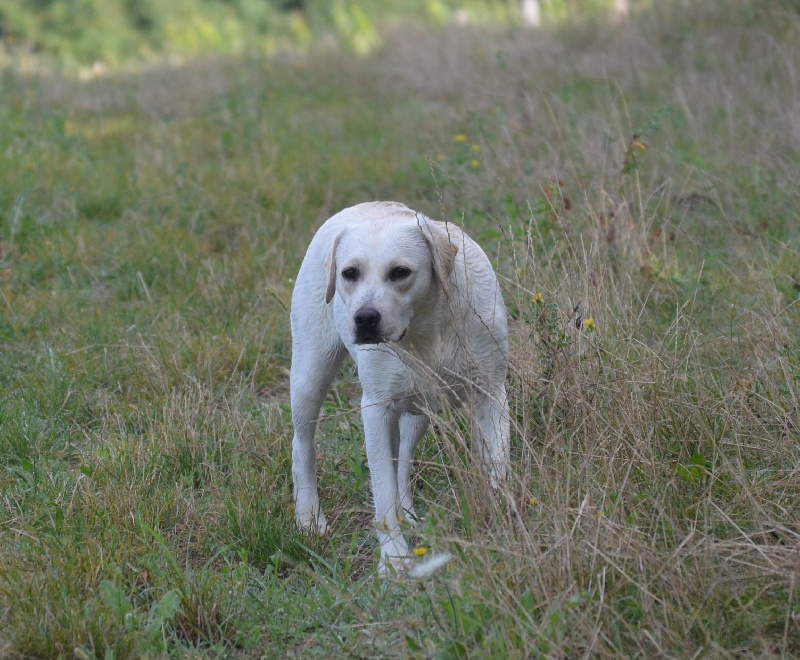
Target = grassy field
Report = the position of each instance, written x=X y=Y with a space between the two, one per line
x=636 y=188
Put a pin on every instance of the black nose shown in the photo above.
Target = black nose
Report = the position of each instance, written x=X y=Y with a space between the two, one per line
x=367 y=318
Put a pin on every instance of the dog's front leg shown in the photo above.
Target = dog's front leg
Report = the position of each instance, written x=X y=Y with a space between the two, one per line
x=314 y=364
x=381 y=434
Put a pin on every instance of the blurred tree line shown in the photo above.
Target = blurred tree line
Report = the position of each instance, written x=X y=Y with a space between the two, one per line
x=82 y=32
x=111 y=31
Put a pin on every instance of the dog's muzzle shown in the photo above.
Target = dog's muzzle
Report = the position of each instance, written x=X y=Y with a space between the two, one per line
x=367 y=321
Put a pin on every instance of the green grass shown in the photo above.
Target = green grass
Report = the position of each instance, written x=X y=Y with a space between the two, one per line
x=643 y=176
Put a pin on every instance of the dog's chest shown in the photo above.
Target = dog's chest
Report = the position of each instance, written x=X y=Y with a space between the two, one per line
x=415 y=379
x=425 y=386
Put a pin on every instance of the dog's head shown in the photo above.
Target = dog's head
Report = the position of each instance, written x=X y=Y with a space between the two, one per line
x=387 y=272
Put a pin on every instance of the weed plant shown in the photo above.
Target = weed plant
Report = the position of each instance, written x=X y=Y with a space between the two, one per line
x=636 y=188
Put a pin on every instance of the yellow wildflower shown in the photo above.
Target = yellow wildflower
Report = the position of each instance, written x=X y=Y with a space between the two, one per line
x=538 y=298
x=589 y=324
x=460 y=138
x=475 y=148
x=533 y=501
x=420 y=551
x=475 y=162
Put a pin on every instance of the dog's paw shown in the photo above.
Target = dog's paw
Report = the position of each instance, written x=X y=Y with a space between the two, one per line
x=391 y=566
x=395 y=555
x=311 y=522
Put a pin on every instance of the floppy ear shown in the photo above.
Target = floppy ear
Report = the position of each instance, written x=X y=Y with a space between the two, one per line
x=443 y=252
x=330 y=264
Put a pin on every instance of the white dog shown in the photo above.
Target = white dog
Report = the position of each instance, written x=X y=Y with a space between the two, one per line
x=417 y=305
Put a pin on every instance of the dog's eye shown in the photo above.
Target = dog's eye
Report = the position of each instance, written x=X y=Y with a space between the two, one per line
x=350 y=274
x=399 y=273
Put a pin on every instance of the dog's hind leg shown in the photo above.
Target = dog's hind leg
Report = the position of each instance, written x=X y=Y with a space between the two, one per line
x=412 y=428
x=490 y=427
x=314 y=367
